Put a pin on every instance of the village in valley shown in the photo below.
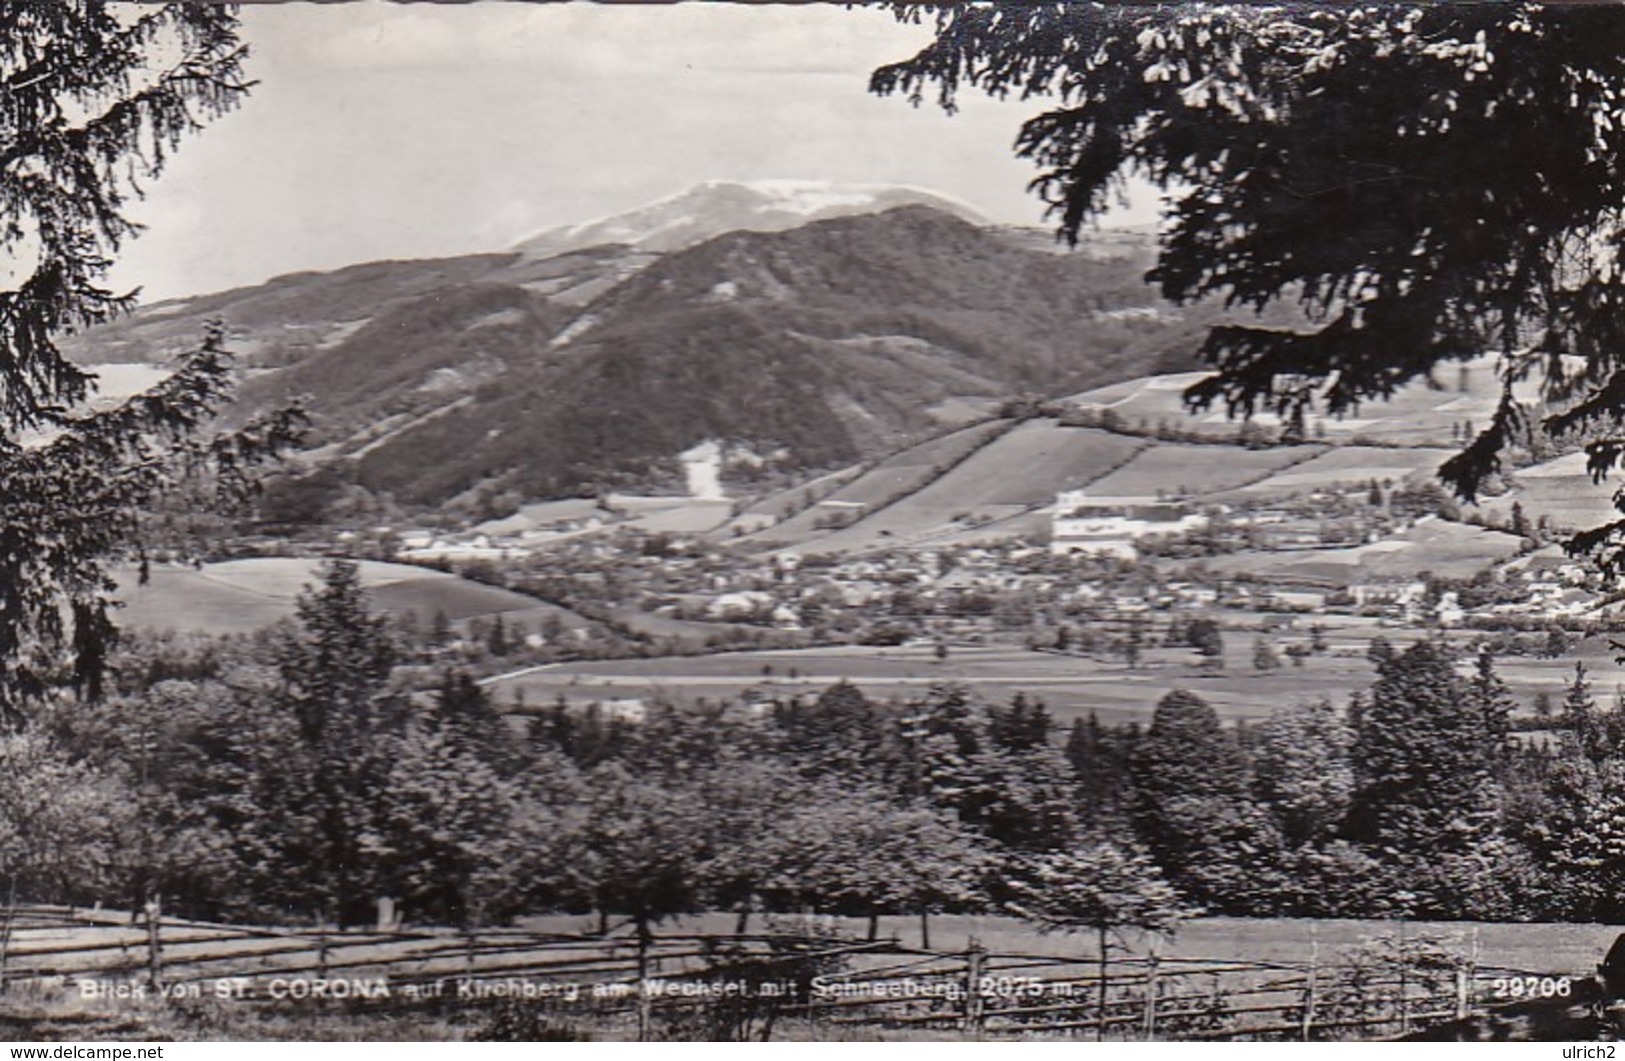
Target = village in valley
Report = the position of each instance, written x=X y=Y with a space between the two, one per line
x=1297 y=553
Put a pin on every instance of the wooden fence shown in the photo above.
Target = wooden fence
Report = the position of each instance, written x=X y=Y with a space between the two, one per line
x=748 y=982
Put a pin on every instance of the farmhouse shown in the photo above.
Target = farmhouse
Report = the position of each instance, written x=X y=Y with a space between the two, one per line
x=1111 y=525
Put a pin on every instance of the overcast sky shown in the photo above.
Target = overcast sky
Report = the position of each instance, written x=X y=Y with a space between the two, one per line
x=384 y=130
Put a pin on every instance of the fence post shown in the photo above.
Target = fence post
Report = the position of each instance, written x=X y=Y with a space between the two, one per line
x=155 y=957
x=1309 y=991
x=5 y=933
x=1151 y=994
x=645 y=1007
x=1471 y=978
x=975 y=957
x=1404 y=977
x=1100 y=1008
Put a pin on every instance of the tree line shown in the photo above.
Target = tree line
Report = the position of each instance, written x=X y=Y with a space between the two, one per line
x=303 y=773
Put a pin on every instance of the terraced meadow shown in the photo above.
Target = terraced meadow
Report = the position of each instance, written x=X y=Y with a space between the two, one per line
x=997 y=480
x=1176 y=469
x=1346 y=467
x=1015 y=473
x=1003 y=484
x=898 y=476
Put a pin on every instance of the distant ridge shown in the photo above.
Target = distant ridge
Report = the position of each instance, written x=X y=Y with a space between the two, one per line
x=717 y=207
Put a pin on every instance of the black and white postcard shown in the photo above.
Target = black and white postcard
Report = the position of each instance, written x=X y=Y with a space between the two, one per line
x=1082 y=522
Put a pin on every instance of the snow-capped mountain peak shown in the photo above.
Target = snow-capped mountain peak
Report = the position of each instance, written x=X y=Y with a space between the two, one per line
x=715 y=207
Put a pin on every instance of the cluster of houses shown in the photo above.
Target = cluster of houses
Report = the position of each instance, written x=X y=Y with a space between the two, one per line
x=1082 y=522
x=604 y=549
x=512 y=538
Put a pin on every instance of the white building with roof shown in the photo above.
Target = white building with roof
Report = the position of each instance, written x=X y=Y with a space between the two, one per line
x=1110 y=526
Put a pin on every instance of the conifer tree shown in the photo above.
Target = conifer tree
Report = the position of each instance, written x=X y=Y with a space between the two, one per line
x=1590 y=733
x=1420 y=183
x=1100 y=770
x=1304 y=770
x=1425 y=780
x=1194 y=808
x=335 y=670
x=1495 y=706
x=97 y=96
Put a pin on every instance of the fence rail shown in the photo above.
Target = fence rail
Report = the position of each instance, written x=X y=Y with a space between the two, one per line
x=831 y=979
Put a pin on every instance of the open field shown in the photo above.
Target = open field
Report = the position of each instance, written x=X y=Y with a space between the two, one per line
x=1351 y=467
x=1416 y=415
x=1032 y=525
x=1189 y=470
x=686 y=516
x=1011 y=474
x=896 y=476
x=1029 y=465
x=118 y=381
x=240 y=596
x=776 y=504
x=540 y=514
x=1071 y=686
x=1452 y=550
x=1562 y=491
x=1553 y=949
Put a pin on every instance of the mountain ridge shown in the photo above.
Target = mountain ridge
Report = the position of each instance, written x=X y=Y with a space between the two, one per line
x=717 y=207
x=490 y=379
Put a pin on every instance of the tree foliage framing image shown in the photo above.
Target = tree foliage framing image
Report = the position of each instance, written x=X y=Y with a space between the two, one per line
x=97 y=96
x=1422 y=183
